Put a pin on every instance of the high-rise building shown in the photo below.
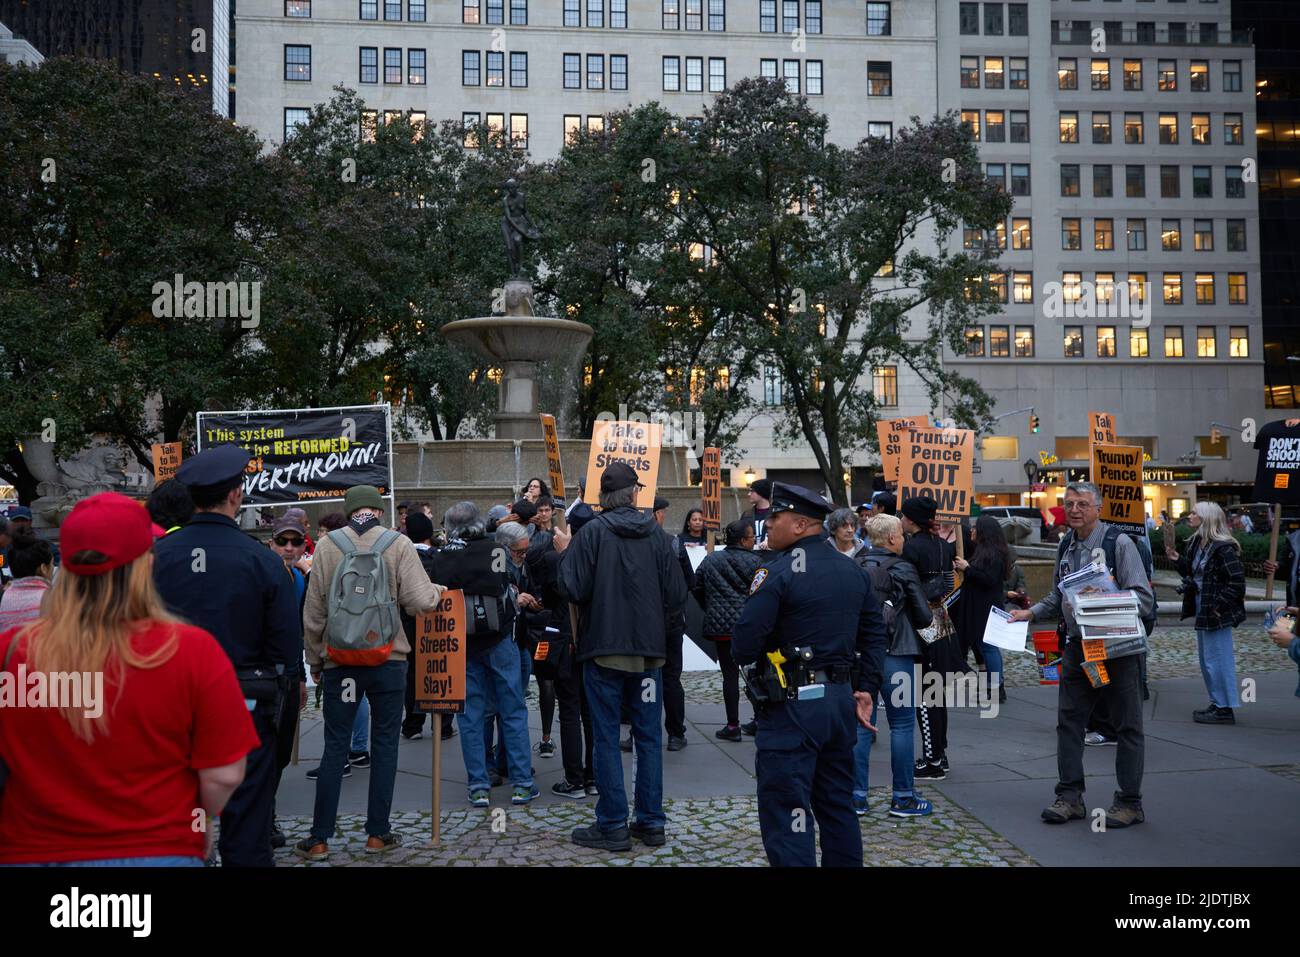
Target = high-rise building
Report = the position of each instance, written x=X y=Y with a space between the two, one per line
x=1121 y=129
x=1276 y=27
x=177 y=41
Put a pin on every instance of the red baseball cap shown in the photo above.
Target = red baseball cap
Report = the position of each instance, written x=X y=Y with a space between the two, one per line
x=111 y=524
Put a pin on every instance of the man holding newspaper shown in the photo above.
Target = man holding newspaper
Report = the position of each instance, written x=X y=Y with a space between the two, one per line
x=1101 y=593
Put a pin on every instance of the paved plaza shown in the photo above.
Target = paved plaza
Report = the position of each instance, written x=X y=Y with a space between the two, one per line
x=1213 y=795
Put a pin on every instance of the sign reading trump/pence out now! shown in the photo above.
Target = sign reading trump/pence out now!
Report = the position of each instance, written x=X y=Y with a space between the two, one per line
x=553 y=467
x=711 y=488
x=636 y=444
x=1117 y=471
x=439 y=655
x=939 y=463
x=891 y=432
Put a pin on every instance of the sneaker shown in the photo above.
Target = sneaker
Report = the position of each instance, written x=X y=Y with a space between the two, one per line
x=1214 y=715
x=943 y=763
x=1062 y=811
x=310 y=849
x=649 y=836
x=277 y=836
x=750 y=728
x=524 y=795
x=546 y=749
x=615 y=840
x=479 y=798
x=1096 y=739
x=626 y=743
x=910 y=807
x=931 y=772
x=591 y=789
x=729 y=733
x=314 y=773
x=676 y=742
x=378 y=845
x=567 y=790
x=859 y=805
x=413 y=735
x=359 y=759
x=1120 y=815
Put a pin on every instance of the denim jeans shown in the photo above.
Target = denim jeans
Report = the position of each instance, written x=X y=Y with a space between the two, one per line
x=494 y=676
x=1218 y=664
x=992 y=661
x=902 y=722
x=361 y=726
x=385 y=686
x=167 y=860
x=495 y=752
x=605 y=689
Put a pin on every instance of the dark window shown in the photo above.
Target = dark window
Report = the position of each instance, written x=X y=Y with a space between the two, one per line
x=469 y=68
x=618 y=71
x=1103 y=183
x=1236 y=235
x=1202 y=184
x=369 y=10
x=718 y=15
x=969 y=19
x=496 y=68
x=573 y=71
x=519 y=69
x=1018 y=19
x=1169 y=186
x=369 y=65
x=1069 y=179
x=1135 y=181
x=415 y=11
x=392 y=64
x=415 y=67
x=812 y=16
x=993 y=19
x=392 y=9
x=1019 y=179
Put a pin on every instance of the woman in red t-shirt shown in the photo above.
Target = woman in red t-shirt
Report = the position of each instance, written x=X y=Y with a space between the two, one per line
x=139 y=734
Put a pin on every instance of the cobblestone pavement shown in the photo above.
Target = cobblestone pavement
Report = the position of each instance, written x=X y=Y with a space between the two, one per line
x=708 y=832
x=1173 y=655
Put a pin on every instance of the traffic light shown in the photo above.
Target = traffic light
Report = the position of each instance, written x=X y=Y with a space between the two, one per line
x=1033 y=423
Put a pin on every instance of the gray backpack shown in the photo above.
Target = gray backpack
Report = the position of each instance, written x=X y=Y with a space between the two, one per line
x=363 y=618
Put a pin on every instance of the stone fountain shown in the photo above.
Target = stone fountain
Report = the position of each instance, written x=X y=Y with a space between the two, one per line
x=519 y=341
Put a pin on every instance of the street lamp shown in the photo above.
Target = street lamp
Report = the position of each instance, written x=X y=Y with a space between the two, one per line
x=1031 y=471
x=749 y=476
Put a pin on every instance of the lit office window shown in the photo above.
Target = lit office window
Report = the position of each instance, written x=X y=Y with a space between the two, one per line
x=1238 y=342
x=1173 y=342
x=884 y=385
x=1024 y=342
x=1138 y=344
x=1205 y=342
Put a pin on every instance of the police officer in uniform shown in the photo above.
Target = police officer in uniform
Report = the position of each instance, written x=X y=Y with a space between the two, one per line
x=213 y=575
x=817 y=611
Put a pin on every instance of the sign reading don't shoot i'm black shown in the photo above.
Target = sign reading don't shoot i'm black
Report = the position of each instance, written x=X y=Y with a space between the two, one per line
x=306 y=455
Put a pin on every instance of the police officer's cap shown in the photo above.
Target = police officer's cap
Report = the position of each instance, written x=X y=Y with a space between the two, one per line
x=797 y=499
x=222 y=465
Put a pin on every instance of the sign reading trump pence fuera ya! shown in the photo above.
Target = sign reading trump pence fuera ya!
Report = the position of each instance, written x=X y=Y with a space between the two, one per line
x=1117 y=472
x=939 y=463
x=633 y=443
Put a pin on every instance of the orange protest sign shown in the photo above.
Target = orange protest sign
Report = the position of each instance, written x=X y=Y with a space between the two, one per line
x=166 y=460
x=440 y=655
x=711 y=488
x=1117 y=472
x=634 y=443
x=939 y=463
x=553 y=466
x=890 y=432
x=1101 y=429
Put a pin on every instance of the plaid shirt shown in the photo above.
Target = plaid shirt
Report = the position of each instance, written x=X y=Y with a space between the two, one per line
x=1223 y=586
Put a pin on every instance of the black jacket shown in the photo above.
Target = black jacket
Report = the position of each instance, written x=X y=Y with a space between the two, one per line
x=427 y=556
x=721 y=587
x=1223 y=586
x=983 y=587
x=932 y=558
x=469 y=567
x=621 y=573
x=912 y=610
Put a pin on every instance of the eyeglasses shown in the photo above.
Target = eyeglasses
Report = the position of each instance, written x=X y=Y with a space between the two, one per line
x=284 y=540
x=1080 y=506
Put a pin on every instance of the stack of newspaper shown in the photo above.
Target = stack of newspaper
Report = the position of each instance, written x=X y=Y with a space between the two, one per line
x=1103 y=612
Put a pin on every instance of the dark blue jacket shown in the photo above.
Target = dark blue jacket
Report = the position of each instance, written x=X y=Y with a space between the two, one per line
x=242 y=595
x=808 y=595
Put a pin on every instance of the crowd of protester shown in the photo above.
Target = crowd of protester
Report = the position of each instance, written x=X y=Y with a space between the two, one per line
x=592 y=609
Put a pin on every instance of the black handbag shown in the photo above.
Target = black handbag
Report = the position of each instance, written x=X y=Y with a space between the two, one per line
x=552 y=655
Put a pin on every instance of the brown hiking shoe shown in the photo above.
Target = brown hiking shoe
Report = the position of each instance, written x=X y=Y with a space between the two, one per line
x=1063 y=811
x=1119 y=815
x=378 y=845
x=310 y=849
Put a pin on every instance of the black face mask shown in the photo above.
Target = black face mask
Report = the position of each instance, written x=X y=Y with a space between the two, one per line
x=361 y=526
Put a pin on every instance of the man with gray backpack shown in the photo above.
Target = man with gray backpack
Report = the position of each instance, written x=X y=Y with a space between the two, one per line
x=356 y=645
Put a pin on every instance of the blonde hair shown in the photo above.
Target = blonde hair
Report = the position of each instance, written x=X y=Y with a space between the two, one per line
x=881 y=528
x=86 y=624
x=1214 y=525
